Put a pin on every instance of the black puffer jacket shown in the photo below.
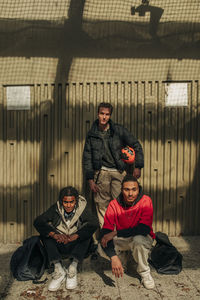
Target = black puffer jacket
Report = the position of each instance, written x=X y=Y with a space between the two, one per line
x=120 y=137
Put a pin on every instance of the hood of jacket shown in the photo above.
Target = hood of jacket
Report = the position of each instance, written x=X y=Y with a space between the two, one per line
x=72 y=226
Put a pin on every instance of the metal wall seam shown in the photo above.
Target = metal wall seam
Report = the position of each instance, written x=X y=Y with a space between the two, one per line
x=2 y=154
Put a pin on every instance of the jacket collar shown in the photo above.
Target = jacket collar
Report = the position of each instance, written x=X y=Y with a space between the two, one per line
x=94 y=131
x=78 y=210
x=120 y=198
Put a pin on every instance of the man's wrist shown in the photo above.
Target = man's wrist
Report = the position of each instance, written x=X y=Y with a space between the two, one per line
x=114 y=232
x=91 y=180
x=52 y=234
x=113 y=257
x=76 y=235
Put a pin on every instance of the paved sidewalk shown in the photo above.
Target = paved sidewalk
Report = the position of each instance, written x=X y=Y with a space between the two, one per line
x=96 y=281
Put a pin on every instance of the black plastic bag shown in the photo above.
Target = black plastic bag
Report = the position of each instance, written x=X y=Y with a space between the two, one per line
x=28 y=262
x=164 y=257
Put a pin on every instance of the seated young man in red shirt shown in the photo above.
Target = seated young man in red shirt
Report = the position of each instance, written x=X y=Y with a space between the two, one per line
x=128 y=226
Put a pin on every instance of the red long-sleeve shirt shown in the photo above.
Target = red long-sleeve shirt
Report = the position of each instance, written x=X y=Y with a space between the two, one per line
x=123 y=217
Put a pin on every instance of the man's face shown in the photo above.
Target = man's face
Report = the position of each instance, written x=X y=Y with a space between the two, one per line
x=68 y=203
x=130 y=191
x=103 y=115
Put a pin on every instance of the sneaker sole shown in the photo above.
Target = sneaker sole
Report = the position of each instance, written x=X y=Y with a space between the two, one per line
x=55 y=289
x=149 y=287
x=71 y=288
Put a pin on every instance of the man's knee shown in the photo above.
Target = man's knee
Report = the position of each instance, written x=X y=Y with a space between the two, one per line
x=140 y=241
x=122 y=244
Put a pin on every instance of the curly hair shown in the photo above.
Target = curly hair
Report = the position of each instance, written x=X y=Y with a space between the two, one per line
x=68 y=191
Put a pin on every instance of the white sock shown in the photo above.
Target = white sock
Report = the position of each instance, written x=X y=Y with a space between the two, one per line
x=72 y=270
x=58 y=266
x=74 y=263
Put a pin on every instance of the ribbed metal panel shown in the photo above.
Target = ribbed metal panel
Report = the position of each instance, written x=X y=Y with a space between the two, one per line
x=41 y=150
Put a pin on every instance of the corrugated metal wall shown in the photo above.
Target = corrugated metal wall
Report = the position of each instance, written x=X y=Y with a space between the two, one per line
x=41 y=150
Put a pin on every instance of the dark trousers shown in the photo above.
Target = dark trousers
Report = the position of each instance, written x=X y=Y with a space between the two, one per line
x=58 y=251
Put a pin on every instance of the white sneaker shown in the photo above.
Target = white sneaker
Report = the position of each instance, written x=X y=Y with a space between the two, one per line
x=71 y=282
x=148 y=281
x=58 y=276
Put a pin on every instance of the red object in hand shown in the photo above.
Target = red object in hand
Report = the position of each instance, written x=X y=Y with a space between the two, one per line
x=128 y=155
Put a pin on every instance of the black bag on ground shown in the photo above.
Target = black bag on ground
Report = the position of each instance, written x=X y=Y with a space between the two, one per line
x=28 y=262
x=164 y=257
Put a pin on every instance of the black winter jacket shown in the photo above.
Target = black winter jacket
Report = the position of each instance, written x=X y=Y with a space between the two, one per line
x=120 y=137
x=86 y=223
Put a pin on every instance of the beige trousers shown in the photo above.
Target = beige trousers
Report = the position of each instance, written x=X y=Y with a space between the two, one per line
x=139 y=246
x=109 y=183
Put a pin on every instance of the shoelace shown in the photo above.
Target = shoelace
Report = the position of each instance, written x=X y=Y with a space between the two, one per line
x=57 y=274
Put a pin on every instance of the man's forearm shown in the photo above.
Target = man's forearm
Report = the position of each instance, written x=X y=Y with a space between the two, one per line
x=110 y=249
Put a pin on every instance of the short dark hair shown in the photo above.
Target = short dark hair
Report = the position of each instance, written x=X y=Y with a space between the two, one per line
x=129 y=177
x=68 y=191
x=105 y=105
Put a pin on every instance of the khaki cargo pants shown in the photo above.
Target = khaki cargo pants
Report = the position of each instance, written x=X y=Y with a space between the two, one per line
x=109 y=183
x=139 y=246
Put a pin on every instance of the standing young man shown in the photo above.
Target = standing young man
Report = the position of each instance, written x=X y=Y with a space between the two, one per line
x=102 y=161
x=128 y=227
x=66 y=229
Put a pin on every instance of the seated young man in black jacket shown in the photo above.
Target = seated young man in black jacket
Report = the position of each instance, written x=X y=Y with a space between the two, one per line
x=66 y=229
x=128 y=227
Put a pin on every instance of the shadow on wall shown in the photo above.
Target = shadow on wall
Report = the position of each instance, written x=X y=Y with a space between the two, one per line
x=76 y=37
x=155 y=16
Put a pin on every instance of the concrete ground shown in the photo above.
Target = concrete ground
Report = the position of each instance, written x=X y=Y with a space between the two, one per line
x=97 y=282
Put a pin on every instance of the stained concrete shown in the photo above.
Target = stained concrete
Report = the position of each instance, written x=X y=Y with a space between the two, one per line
x=97 y=282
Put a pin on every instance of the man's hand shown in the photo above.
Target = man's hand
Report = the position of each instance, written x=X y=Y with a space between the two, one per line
x=61 y=238
x=93 y=186
x=117 y=268
x=108 y=237
x=73 y=237
x=137 y=173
